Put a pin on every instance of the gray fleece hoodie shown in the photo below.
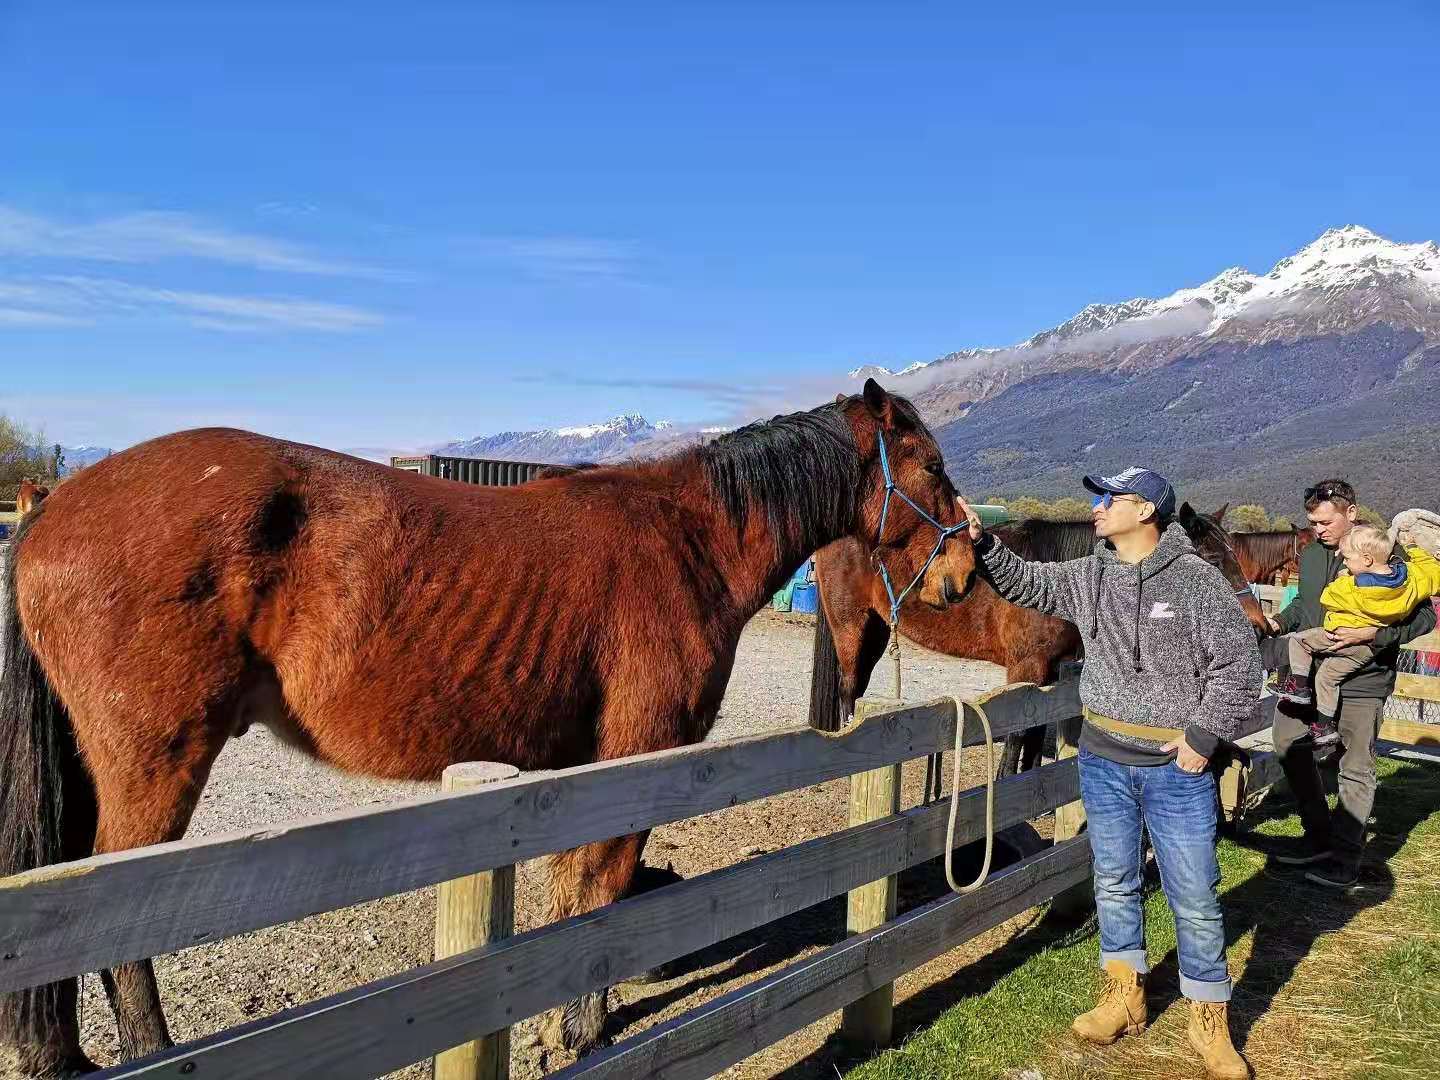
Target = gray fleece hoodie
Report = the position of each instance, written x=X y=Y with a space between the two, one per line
x=1166 y=642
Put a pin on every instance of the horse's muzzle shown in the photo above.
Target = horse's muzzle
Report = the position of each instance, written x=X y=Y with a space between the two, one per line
x=952 y=592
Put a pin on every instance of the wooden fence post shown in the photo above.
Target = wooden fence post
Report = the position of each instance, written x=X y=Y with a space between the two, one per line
x=1070 y=818
x=470 y=912
x=870 y=1020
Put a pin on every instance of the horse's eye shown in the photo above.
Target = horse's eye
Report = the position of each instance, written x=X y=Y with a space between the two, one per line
x=935 y=468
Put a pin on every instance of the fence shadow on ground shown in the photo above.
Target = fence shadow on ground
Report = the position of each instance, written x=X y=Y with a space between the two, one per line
x=1286 y=914
x=785 y=940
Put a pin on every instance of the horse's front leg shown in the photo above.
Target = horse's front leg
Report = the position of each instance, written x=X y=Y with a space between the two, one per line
x=582 y=880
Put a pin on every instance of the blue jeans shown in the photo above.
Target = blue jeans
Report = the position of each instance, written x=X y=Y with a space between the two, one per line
x=1178 y=810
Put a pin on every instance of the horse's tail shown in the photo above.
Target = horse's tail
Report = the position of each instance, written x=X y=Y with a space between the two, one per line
x=40 y=770
x=41 y=778
x=827 y=708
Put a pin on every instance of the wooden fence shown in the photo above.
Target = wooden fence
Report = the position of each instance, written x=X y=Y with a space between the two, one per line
x=65 y=920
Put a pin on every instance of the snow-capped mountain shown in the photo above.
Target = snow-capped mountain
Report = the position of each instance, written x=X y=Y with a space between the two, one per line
x=622 y=437
x=1345 y=279
x=77 y=457
x=1247 y=386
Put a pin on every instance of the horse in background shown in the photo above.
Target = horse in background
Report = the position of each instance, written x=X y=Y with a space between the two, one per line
x=589 y=616
x=852 y=629
x=30 y=495
x=1264 y=555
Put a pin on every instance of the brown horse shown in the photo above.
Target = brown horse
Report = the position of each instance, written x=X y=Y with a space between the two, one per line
x=1263 y=555
x=392 y=624
x=853 y=630
x=31 y=495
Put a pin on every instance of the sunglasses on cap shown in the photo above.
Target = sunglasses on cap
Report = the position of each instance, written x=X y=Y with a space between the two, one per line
x=1109 y=498
x=1325 y=493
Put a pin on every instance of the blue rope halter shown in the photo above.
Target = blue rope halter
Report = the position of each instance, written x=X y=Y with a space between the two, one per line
x=932 y=773
x=945 y=531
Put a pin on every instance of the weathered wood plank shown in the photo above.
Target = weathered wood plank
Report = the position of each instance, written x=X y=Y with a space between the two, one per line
x=1410 y=733
x=1419 y=687
x=390 y=1023
x=1425 y=642
x=873 y=796
x=1423 y=754
x=1070 y=818
x=730 y=1028
x=471 y=912
x=77 y=917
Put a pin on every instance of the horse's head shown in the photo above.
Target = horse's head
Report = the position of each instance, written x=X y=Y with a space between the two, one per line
x=30 y=495
x=904 y=529
x=1214 y=544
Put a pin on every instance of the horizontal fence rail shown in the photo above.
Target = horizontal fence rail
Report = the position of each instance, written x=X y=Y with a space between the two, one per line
x=744 y=1021
x=78 y=917
x=392 y=1022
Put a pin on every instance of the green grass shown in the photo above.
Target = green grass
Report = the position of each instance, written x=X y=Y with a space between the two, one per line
x=1348 y=986
x=1404 y=976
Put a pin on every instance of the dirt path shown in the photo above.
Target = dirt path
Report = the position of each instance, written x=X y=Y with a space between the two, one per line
x=257 y=781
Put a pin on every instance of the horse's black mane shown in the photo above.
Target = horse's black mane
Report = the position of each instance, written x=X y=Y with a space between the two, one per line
x=1048 y=541
x=804 y=470
x=1200 y=527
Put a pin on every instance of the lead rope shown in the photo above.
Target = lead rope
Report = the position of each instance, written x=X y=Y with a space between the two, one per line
x=933 y=770
x=955 y=797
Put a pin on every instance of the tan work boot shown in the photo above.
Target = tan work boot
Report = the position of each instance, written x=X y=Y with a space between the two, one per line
x=1121 y=1010
x=1210 y=1036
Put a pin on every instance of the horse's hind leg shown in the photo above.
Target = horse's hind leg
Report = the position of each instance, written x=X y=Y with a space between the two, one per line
x=581 y=880
x=147 y=798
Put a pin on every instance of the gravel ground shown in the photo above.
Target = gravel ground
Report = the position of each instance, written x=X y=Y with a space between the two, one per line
x=258 y=781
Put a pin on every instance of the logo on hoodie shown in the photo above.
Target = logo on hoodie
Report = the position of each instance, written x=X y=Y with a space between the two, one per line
x=1162 y=610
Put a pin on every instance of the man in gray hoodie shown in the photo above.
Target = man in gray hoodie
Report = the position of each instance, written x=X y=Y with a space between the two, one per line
x=1171 y=669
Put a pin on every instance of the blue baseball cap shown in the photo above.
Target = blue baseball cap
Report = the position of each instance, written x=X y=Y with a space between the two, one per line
x=1146 y=483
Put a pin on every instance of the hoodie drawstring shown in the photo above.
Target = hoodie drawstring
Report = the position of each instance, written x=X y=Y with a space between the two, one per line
x=1139 y=603
x=1095 y=607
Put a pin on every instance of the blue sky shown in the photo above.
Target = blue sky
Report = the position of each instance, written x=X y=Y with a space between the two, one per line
x=386 y=225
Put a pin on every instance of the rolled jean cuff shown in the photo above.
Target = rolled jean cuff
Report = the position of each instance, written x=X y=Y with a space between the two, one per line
x=1196 y=990
x=1137 y=960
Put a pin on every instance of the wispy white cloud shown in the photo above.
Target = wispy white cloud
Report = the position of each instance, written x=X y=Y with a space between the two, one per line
x=155 y=236
x=58 y=300
x=30 y=317
x=556 y=258
x=282 y=209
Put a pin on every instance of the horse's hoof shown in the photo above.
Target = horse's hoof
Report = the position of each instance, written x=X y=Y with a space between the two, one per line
x=658 y=974
x=16 y=1065
x=649 y=878
x=576 y=1026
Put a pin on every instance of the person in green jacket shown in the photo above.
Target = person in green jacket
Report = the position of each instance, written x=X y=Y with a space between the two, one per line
x=1334 y=843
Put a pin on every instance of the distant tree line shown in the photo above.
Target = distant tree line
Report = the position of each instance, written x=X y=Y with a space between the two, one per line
x=1247 y=517
x=1252 y=517
x=25 y=452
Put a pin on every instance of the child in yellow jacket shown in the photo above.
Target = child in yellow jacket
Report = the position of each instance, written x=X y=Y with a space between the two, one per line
x=1372 y=592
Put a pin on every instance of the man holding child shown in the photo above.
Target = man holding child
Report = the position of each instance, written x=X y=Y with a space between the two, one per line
x=1353 y=628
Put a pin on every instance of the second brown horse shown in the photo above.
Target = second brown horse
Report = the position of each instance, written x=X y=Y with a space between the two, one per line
x=852 y=629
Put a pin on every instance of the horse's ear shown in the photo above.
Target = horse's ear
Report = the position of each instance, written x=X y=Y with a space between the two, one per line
x=1187 y=513
x=1219 y=516
x=879 y=402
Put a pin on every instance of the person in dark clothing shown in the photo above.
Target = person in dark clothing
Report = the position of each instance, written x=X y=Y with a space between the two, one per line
x=1334 y=844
